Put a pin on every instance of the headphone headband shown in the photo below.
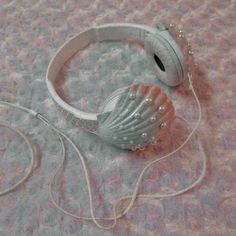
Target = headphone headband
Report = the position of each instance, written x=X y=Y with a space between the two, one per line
x=81 y=41
x=160 y=46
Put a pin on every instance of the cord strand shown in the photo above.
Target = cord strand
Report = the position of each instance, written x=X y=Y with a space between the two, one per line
x=61 y=135
x=31 y=164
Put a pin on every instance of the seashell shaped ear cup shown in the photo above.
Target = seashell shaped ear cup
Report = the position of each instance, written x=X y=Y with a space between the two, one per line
x=138 y=117
x=166 y=58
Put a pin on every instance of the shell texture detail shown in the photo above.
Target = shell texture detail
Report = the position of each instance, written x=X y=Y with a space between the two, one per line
x=122 y=123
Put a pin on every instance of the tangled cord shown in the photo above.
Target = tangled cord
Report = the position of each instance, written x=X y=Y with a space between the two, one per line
x=131 y=197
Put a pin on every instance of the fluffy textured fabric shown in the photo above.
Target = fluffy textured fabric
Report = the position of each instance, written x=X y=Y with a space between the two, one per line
x=30 y=32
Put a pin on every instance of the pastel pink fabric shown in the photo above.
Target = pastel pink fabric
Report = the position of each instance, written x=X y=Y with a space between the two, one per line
x=30 y=33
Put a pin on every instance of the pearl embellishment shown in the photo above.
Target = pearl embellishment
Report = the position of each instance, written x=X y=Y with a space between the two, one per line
x=144 y=135
x=137 y=115
x=152 y=140
x=163 y=125
x=153 y=118
x=140 y=147
x=132 y=96
x=161 y=109
x=148 y=101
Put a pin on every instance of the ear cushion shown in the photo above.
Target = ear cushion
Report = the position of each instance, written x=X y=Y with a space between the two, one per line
x=166 y=59
x=177 y=51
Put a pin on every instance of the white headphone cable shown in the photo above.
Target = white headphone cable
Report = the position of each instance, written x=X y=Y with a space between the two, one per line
x=31 y=164
x=135 y=192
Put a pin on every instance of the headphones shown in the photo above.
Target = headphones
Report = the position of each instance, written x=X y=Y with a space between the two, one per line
x=134 y=116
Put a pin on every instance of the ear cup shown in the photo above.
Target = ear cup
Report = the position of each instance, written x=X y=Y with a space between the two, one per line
x=140 y=115
x=177 y=52
x=166 y=59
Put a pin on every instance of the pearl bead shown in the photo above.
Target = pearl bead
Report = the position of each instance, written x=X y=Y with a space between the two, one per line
x=132 y=96
x=137 y=115
x=161 y=109
x=144 y=135
x=114 y=138
x=131 y=142
x=152 y=139
x=191 y=52
x=140 y=147
x=125 y=138
x=148 y=101
x=163 y=125
x=153 y=118
x=132 y=128
x=181 y=35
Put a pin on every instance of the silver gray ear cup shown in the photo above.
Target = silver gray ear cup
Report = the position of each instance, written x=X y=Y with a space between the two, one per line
x=139 y=116
x=166 y=59
x=177 y=51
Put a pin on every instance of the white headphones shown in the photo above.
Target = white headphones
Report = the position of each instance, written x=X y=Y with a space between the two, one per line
x=132 y=117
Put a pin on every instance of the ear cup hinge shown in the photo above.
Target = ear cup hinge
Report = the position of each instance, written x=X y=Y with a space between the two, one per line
x=161 y=26
x=142 y=35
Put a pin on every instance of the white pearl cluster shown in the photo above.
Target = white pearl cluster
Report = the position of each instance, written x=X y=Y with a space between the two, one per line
x=152 y=140
x=182 y=41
